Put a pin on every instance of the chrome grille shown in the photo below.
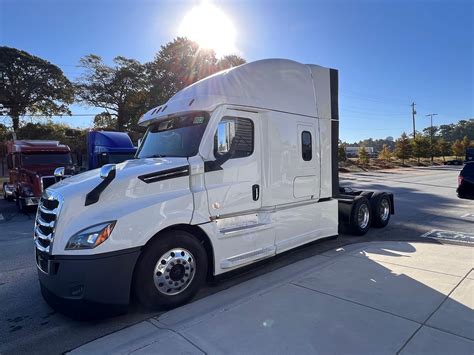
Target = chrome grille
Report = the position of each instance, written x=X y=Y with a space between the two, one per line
x=46 y=219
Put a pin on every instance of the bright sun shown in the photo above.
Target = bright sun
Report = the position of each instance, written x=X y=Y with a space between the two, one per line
x=210 y=27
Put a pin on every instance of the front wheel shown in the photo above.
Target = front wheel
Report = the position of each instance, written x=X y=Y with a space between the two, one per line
x=170 y=271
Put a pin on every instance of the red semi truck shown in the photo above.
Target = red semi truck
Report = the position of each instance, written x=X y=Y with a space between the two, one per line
x=31 y=165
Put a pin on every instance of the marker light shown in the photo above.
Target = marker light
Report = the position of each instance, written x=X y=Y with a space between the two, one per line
x=91 y=237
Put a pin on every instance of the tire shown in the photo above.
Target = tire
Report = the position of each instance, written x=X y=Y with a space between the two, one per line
x=380 y=202
x=166 y=279
x=361 y=216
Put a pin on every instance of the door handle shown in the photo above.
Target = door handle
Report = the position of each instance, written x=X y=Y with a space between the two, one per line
x=255 y=192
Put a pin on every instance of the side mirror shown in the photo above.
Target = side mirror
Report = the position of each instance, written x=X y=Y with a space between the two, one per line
x=10 y=161
x=107 y=171
x=59 y=173
x=225 y=135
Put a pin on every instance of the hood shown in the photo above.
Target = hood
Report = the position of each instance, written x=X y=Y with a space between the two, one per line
x=126 y=177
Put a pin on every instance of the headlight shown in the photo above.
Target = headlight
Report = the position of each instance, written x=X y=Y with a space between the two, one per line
x=91 y=237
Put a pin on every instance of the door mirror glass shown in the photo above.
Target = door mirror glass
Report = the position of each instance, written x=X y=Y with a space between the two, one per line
x=225 y=136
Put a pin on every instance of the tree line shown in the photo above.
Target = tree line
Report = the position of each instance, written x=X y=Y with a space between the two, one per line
x=437 y=141
x=32 y=86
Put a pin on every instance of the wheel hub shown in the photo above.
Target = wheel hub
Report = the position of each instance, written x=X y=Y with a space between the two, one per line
x=363 y=216
x=174 y=271
x=384 y=209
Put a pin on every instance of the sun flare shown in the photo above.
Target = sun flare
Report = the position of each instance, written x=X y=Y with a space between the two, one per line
x=210 y=27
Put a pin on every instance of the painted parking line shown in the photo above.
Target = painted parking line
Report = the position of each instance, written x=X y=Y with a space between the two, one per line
x=468 y=215
x=459 y=237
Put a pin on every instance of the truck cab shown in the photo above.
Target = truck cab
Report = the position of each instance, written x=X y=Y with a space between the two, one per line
x=108 y=147
x=31 y=165
x=233 y=169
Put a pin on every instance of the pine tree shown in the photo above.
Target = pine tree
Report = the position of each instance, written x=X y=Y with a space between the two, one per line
x=421 y=147
x=403 y=149
x=444 y=148
x=466 y=142
x=341 y=151
x=363 y=156
x=458 y=148
x=385 y=153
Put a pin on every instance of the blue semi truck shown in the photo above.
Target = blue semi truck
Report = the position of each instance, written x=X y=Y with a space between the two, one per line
x=107 y=147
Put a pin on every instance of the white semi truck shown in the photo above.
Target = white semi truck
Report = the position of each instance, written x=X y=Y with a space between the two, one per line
x=233 y=169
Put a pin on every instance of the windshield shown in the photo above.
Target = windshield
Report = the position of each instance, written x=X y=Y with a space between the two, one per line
x=44 y=158
x=177 y=136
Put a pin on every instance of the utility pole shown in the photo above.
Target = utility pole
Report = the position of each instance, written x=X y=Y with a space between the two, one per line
x=413 y=113
x=431 y=134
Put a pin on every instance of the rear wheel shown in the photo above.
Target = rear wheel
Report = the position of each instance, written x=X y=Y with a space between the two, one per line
x=170 y=271
x=361 y=216
x=380 y=209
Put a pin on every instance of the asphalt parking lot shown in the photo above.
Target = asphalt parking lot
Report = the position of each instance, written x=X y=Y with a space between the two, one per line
x=426 y=207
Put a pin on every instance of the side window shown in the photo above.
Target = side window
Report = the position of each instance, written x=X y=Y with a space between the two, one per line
x=306 y=146
x=234 y=138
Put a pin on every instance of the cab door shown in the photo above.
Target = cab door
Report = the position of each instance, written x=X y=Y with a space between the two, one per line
x=233 y=180
x=234 y=187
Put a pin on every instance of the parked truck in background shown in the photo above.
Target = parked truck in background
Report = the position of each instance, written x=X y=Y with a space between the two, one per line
x=31 y=165
x=469 y=154
x=108 y=147
x=233 y=169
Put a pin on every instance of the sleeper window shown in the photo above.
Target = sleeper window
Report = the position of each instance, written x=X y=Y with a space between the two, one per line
x=234 y=138
x=306 y=146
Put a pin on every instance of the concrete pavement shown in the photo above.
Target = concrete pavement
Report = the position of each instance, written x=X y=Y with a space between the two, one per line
x=377 y=297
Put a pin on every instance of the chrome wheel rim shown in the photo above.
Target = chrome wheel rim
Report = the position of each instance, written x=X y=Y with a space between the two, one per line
x=384 y=209
x=174 y=271
x=363 y=216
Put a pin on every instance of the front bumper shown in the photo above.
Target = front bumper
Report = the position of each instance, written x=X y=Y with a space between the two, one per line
x=98 y=279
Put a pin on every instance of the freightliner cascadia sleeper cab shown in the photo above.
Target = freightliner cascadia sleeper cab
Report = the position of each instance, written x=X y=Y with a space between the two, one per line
x=233 y=169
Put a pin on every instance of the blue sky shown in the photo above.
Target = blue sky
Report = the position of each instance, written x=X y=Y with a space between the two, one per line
x=389 y=52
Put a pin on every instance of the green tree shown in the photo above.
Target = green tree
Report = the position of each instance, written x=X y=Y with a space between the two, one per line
x=363 y=156
x=121 y=89
x=385 y=153
x=341 y=151
x=31 y=85
x=444 y=148
x=458 y=148
x=104 y=121
x=466 y=142
x=3 y=133
x=421 y=147
x=403 y=148
x=180 y=63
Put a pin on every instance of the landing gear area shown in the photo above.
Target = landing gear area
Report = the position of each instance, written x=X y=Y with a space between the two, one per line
x=360 y=210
